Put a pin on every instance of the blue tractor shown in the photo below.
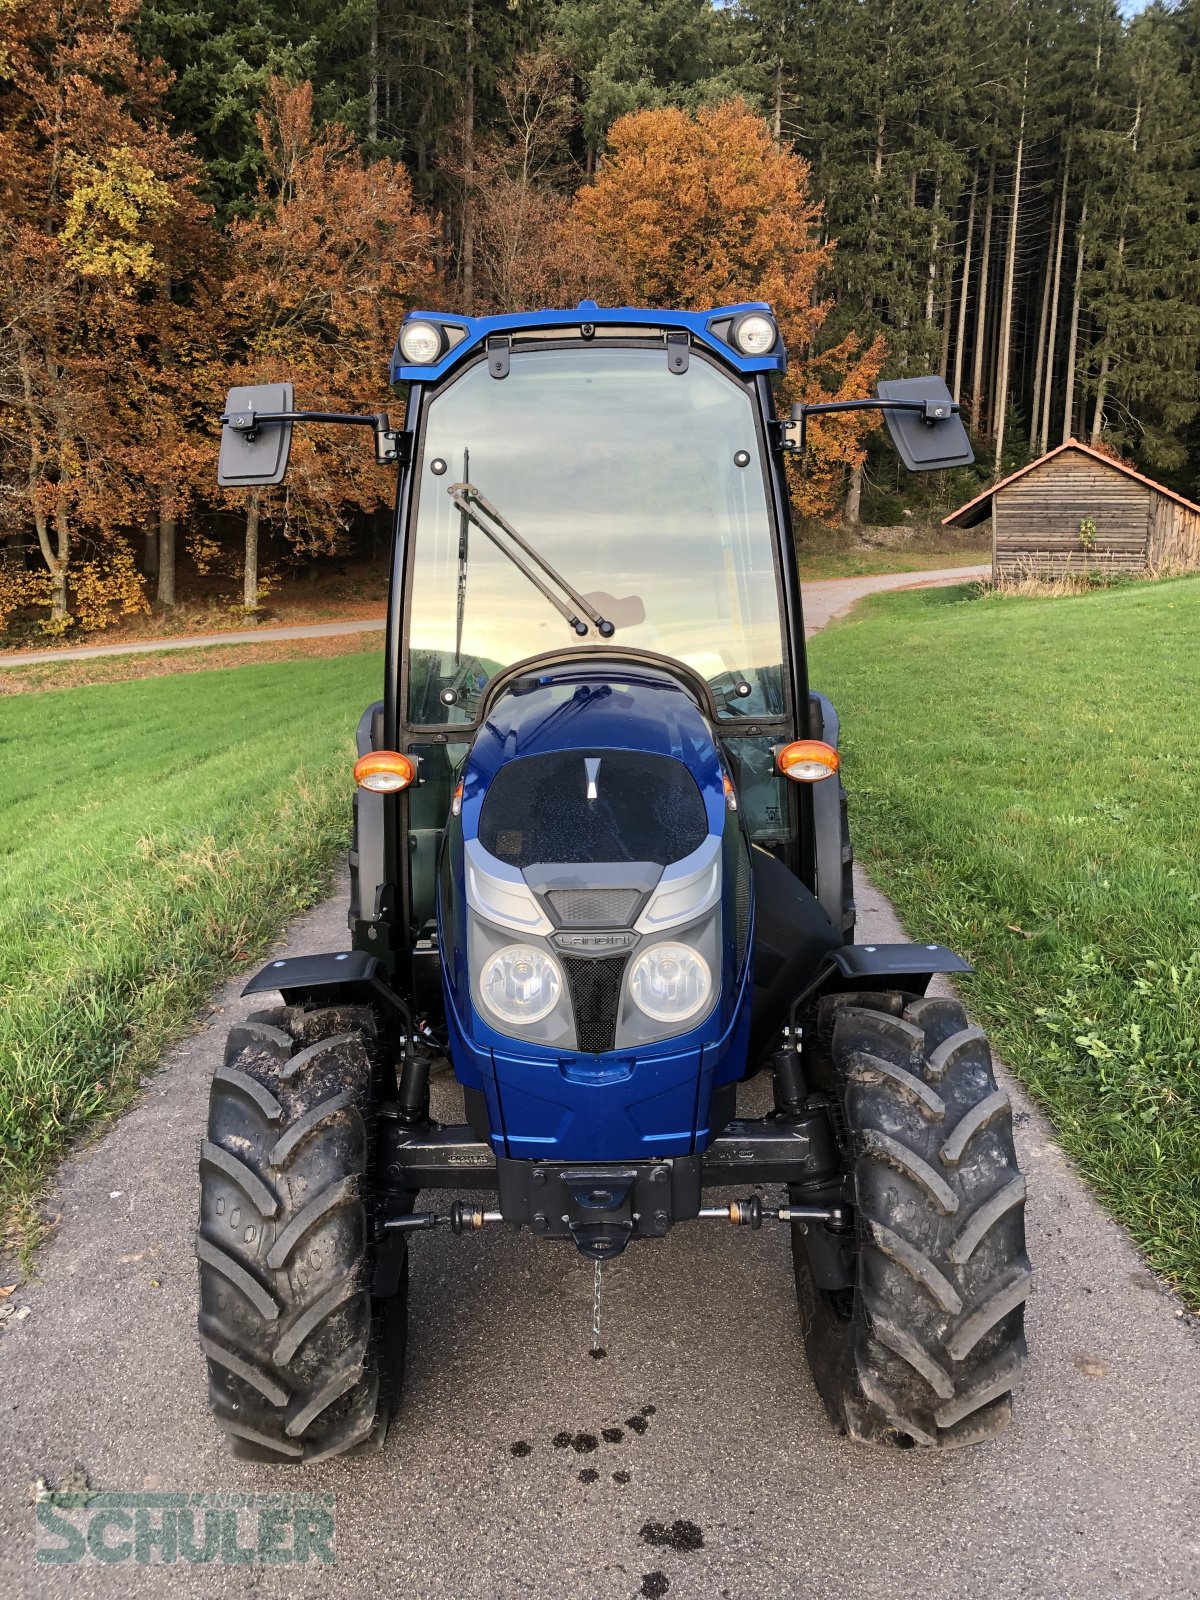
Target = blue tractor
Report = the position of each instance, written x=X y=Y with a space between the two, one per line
x=600 y=863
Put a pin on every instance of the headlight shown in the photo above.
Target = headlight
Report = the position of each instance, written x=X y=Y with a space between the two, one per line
x=755 y=334
x=521 y=984
x=420 y=343
x=670 y=982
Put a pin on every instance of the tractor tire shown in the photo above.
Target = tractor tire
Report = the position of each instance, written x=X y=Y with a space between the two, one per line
x=927 y=1346
x=295 y=1342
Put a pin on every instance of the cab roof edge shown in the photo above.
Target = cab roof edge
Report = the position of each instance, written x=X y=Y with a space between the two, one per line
x=460 y=337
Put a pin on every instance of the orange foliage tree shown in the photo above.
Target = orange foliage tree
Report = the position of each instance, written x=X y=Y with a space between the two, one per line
x=101 y=225
x=319 y=280
x=703 y=210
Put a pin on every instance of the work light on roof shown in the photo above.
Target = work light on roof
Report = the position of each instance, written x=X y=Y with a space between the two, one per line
x=755 y=334
x=420 y=343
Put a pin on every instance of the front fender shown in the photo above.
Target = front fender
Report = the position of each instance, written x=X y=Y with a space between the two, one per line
x=347 y=976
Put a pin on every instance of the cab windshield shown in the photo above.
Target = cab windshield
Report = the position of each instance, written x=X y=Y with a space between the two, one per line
x=642 y=488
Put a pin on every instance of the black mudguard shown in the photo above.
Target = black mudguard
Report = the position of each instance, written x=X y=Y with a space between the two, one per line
x=878 y=965
x=348 y=976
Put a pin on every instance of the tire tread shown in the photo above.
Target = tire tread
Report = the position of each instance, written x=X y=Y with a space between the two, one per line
x=291 y=1333
x=932 y=1345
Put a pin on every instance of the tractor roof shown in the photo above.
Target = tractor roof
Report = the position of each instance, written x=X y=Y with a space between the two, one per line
x=464 y=335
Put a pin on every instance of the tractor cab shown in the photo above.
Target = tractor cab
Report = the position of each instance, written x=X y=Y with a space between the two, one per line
x=597 y=504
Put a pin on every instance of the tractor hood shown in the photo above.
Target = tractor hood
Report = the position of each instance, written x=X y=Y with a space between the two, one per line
x=593 y=816
x=595 y=895
x=574 y=713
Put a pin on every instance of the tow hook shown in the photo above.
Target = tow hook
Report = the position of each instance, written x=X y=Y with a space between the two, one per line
x=752 y=1213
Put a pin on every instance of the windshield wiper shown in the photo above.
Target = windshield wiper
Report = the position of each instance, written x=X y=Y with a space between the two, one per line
x=460 y=609
x=483 y=514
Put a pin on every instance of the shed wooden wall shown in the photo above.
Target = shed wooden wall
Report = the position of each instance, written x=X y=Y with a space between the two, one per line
x=1035 y=521
x=1174 y=535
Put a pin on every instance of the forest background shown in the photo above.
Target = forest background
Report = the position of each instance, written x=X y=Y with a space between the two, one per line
x=195 y=194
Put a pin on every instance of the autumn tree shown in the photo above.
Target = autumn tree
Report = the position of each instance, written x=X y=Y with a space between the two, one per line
x=531 y=248
x=320 y=278
x=99 y=213
x=704 y=210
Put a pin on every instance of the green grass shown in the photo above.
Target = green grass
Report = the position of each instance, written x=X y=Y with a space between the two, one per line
x=1025 y=783
x=152 y=835
x=816 y=565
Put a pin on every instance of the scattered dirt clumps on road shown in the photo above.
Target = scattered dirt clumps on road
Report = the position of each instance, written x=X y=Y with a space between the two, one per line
x=681 y=1535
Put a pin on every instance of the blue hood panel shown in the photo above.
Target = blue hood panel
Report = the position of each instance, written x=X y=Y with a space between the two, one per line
x=552 y=1104
x=588 y=708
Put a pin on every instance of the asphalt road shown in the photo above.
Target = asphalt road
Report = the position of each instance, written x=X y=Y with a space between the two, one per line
x=832 y=597
x=823 y=600
x=193 y=641
x=1093 y=1492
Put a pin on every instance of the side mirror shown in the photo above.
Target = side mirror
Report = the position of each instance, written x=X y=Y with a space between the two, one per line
x=255 y=450
x=928 y=433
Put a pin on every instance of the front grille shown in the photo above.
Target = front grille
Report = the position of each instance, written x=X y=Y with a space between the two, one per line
x=595 y=990
x=601 y=908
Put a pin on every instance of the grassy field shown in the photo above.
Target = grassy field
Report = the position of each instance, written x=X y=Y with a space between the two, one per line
x=152 y=834
x=1024 y=778
x=816 y=565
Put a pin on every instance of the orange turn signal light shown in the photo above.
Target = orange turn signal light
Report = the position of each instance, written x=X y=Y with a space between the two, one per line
x=807 y=760
x=384 y=771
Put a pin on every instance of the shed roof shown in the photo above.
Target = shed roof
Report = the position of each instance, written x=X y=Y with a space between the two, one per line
x=975 y=511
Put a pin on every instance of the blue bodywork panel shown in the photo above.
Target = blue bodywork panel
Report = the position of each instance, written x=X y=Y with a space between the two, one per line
x=471 y=333
x=621 y=1105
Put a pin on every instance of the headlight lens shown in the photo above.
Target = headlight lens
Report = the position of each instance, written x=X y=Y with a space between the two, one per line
x=420 y=343
x=521 y=984
x=754 y=334
x=670 y=982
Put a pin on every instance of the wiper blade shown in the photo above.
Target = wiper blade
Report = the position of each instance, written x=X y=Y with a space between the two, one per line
x=482 y=513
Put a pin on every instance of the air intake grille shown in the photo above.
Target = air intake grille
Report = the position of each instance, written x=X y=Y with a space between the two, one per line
x=647 y=808
x=594 y=908
x=595 y=990
x=741 y=900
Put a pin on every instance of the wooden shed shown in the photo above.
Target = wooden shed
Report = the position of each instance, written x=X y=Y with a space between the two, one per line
x=1075 y=509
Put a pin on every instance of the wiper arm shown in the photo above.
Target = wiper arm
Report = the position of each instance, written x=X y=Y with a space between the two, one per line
x=460 y=609
x=483 y=514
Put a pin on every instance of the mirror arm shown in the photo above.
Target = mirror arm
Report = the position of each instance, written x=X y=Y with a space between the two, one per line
x=387 y=440
x=794 y=433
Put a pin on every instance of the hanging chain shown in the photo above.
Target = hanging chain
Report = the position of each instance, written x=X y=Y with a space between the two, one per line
x=596 y=1290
